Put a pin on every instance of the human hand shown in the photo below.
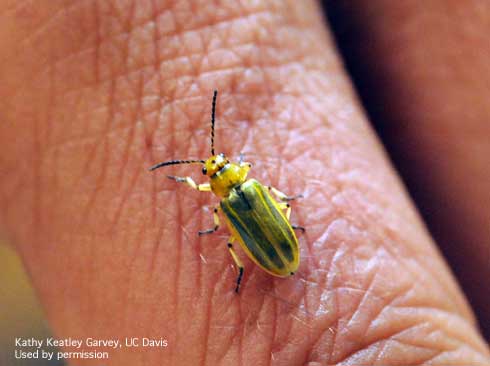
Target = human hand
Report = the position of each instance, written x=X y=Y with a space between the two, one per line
x=96 y=92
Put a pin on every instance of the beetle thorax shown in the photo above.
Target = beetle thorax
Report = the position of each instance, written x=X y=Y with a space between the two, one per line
x=229 y=177
x=224 y=175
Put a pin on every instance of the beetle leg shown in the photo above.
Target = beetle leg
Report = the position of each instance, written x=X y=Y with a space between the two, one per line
x=237 y=261
x=244 y=164
x=216 y=223
x=297 y=227
x=282 y=196
x=285 y=206
x=204 y=187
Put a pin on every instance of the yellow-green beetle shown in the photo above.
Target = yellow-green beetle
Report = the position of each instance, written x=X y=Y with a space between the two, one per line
x=255 y=219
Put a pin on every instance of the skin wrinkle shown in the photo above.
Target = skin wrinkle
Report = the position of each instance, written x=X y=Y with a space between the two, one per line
x=93 y=151
x=424 y=328
x=286 y=331
x=272 y=337
x=178 y=241
x=109 y=41
x=129 y=293
x=86 y=137
x=383 y=340
x=388 y=305
x=154 y=192
x=419 y=349
x=332 y=327
x=363 y=299
x=13 y=5
x=256 y=278
x=127 y=193
x=412 y=252
x=45 y=59
x=379 y=351
x=98 y=41
x=207 y=326
x=382 y=353
x=43 y=26
x=449 y=309
x=384 y=310
x=126 y=153
x=366 y=292
x=445 y=318
x=328 y=325
x=138 y=96
x=337 y=313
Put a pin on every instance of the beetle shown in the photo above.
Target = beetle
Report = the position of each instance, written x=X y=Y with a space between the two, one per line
x=255 y=219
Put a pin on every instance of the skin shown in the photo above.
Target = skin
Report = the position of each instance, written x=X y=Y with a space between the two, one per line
x=94 y=93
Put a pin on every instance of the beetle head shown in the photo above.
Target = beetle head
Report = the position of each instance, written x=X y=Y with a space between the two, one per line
x=214 y=164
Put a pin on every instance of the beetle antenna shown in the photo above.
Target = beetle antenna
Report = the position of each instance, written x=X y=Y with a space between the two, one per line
x=213 y=112
x=175 y=162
